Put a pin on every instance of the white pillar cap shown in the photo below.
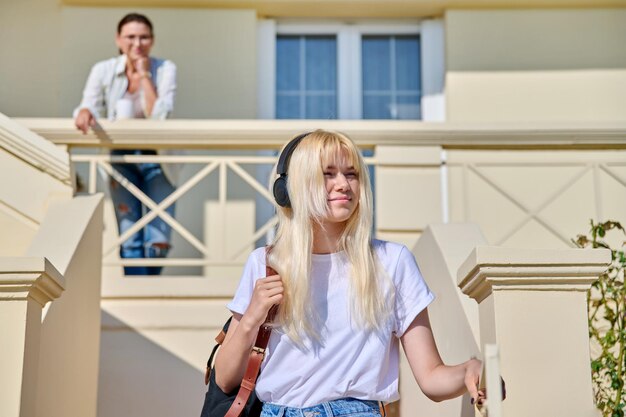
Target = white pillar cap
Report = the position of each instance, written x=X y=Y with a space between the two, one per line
x=492 y=268
x=34 y=277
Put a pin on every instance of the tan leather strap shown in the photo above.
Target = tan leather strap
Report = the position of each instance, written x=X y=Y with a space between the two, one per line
x=220 y=337
x=254 y=361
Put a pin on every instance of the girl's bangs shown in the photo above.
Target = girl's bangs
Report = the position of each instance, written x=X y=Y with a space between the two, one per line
x=335 y=151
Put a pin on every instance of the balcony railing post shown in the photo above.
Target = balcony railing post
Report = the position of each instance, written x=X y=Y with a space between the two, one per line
x=416 y=170
x=26 y=285
x=533 y=305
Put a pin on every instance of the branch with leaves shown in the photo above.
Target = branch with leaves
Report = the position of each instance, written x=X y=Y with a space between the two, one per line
x=607 y=323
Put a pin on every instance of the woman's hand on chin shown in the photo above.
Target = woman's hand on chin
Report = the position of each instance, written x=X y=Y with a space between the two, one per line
x=142 y=65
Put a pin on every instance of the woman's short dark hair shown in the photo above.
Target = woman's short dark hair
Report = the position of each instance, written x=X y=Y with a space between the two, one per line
x=134 y=17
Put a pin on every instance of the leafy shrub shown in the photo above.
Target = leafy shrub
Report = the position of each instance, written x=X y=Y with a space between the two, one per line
x=607 y=323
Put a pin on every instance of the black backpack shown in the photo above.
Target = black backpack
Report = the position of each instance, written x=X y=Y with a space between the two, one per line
x=217 y=402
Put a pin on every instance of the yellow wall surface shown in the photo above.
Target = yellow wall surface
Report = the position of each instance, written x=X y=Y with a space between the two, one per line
x=70 y=236
x=48 y=50
x=22 y=212
x=30 y=38
x=536 y=65
x=501 y=65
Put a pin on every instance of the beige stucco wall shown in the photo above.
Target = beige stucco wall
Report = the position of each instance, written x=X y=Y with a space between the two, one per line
x=536 y=65
x=551 y=292
x=41 y=219
x=153 y=354
x=28 y=284
x=20 y=212
x=43 y=73
x=70 y=236
x=502 y=65
x=30 y=41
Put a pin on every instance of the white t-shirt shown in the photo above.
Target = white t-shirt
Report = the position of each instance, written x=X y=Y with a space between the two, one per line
x=130 y=106
x=348 y=361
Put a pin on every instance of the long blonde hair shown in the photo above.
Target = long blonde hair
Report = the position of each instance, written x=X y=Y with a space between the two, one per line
x=292 y=248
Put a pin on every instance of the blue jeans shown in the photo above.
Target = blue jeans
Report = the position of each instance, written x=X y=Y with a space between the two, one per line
x=349 y=407
x=153 y=241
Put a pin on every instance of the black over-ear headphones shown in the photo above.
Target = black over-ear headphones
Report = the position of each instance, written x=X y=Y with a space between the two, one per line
x=281 y=195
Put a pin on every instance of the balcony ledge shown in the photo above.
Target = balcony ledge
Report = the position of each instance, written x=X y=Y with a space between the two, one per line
x=261 y=134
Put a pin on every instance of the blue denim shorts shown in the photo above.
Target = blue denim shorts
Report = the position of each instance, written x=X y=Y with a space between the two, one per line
x=344 y=407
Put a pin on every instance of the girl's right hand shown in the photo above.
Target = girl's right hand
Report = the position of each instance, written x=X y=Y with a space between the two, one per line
x=267 y=292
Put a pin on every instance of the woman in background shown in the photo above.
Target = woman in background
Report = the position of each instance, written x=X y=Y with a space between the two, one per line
x=134 y=85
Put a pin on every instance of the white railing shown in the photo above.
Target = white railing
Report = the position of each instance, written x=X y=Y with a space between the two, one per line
x=206 y=165
x=491 y=374
x=458 y=154
x=575 y=173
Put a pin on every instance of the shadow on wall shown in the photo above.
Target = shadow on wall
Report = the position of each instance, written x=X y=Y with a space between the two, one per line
x=140 y=378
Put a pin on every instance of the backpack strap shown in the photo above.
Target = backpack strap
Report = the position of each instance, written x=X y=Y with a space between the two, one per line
x=219 y=339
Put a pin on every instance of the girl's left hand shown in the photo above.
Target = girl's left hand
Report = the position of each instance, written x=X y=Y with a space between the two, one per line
x=482 y=394
x=472 y=379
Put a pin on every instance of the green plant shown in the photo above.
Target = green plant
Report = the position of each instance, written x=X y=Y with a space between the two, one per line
x=607 y=323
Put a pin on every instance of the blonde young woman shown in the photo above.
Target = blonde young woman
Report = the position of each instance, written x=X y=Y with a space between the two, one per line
x=346 y=301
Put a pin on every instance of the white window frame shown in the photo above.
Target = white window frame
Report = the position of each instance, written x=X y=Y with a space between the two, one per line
x=349 y=83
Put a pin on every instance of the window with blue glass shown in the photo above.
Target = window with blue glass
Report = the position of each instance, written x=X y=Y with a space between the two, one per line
x=391 y=77
x=365 y=71
x=306 y=77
